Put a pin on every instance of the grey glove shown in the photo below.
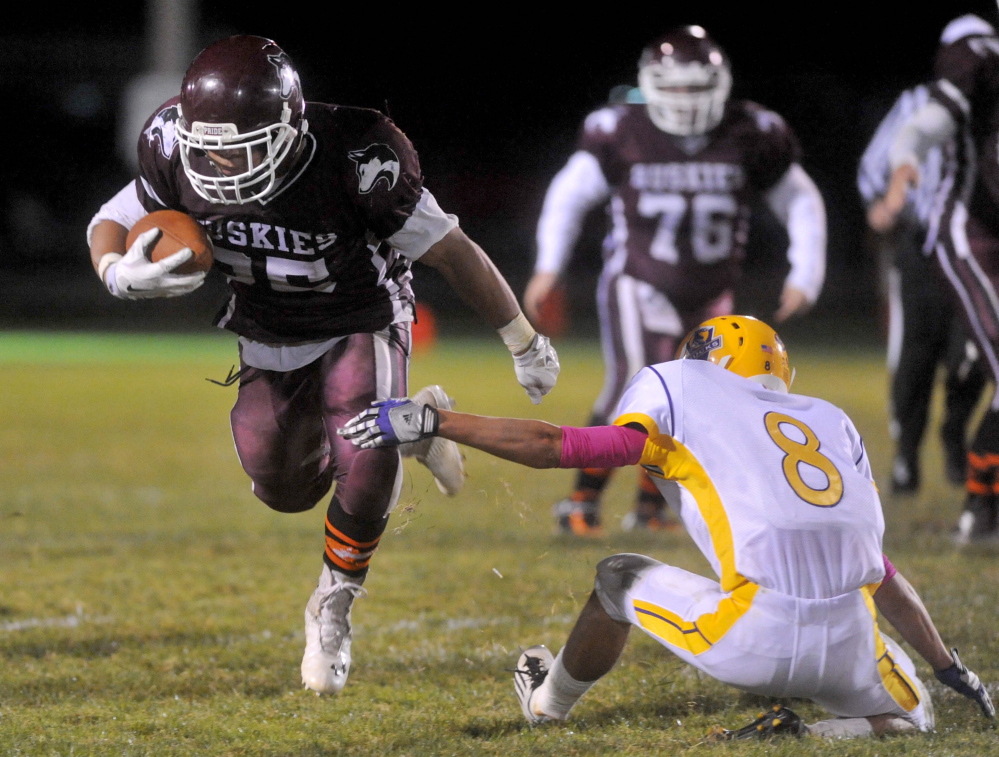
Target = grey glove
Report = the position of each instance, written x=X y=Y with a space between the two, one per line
x=388 y=423
x=966 y=683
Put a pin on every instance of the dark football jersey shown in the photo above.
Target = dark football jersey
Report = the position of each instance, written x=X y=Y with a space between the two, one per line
x=310 y=261
x=681 y=205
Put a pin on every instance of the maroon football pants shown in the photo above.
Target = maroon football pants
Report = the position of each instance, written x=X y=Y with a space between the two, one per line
x=639 y=327
x=967 y=252
x=284 y=426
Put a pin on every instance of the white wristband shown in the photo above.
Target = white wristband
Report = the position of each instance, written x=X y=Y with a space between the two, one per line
x=517 y=334
x=106 y=261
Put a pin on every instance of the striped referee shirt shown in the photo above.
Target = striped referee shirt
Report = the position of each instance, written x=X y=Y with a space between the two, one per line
x=874 y=173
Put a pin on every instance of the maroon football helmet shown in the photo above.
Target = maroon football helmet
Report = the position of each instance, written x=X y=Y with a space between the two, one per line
x=242 y=116
x=685 y=78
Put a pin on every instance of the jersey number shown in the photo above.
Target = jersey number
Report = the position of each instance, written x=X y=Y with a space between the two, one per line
x=711 y=224
x=797 y=453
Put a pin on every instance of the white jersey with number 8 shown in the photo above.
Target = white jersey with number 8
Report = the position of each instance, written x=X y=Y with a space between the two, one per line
x=774 y=488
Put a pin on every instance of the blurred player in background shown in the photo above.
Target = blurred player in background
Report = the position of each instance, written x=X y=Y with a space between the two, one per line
x=680 y=171
x=962 y=116
x=317 y=212
x=923 y=329
x=776 y=491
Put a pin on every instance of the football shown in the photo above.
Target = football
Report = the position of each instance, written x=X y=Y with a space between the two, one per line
x=179 y=231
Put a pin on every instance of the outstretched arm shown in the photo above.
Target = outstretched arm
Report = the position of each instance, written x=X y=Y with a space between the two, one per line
x=532 y=443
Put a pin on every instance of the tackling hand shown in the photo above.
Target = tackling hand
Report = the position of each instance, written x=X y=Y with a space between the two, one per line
x=389 y=423
x=537 y=368
x=134 y=277
x=966 y=683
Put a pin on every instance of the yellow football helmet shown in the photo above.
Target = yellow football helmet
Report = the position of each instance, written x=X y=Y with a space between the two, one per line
x=744 y=345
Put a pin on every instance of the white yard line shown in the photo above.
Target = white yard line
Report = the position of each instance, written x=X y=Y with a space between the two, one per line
x=68 y=621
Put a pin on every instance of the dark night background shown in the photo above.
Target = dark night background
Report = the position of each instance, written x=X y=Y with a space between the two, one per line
x=492 y=97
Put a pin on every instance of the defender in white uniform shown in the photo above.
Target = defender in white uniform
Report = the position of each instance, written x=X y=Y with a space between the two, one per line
x=794 y=537
x=777 y=492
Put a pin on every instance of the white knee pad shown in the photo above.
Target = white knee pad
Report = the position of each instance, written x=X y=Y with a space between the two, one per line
x=615 y=575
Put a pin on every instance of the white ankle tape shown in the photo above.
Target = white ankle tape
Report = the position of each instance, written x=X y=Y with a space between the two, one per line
x=560 y=691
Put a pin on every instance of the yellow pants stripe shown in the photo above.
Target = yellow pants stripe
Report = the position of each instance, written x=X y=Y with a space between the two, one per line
x=899 y=685
x=697 y=636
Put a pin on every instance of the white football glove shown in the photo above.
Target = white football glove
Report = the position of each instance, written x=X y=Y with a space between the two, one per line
x=537 y=368
x=134 y=277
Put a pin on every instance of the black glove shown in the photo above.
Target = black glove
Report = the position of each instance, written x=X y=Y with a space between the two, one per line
x=966 y=683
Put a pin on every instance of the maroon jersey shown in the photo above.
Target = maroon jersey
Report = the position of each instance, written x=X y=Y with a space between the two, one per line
x=681 y=205
x=309 y=262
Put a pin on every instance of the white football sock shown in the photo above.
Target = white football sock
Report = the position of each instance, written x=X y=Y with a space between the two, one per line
x=842 y=728
x=559 y=692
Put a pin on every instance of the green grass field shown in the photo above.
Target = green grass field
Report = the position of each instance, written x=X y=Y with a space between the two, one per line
x=150 y=605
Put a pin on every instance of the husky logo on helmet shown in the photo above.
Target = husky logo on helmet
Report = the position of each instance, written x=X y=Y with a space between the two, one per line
x=240 y=100
x=163 y=129
x=286 y=74
x=702 y=343
x=375 y=162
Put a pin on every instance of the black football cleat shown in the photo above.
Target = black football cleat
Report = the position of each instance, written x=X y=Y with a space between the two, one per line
x=777 y=721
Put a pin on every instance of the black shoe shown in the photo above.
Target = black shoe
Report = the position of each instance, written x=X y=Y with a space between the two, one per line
x=777 y=721
x=904 y=475
x=979 y=523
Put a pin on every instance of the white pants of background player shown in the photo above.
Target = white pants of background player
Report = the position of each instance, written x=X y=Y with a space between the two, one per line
x=827 y=650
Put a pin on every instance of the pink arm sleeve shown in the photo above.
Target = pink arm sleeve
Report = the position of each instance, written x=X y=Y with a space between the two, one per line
x=889 y=569
x=601 y=447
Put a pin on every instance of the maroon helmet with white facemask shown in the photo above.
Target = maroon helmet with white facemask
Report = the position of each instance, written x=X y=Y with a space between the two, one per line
x=242 y=119
x=685 y=79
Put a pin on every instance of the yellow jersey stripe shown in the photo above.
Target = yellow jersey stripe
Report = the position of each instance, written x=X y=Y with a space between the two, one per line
x=665 y=457
x=679 y=464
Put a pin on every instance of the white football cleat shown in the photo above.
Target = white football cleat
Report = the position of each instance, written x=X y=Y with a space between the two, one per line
x=532 y=670
x=326 y=661
x=441 y=456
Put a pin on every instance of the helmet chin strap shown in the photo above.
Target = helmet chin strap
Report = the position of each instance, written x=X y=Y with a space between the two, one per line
x=291 y=160
x=774 y=383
